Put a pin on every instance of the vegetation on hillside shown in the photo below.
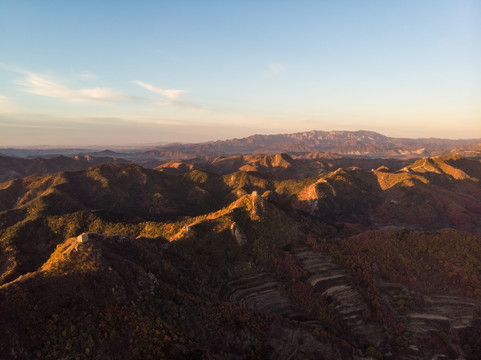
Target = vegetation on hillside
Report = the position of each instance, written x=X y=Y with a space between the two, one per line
x=193 y=264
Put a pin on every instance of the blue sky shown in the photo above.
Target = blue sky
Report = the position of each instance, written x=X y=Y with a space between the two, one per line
x=125 y=72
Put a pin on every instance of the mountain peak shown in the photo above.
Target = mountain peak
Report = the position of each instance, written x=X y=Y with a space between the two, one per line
x=361 y=142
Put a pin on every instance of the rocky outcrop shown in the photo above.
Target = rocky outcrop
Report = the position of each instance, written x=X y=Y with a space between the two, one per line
x=238 y=234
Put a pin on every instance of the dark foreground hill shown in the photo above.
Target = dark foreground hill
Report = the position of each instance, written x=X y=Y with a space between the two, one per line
x=256 y=263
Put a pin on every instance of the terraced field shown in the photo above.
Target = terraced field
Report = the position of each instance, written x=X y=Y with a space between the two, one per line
x=446 y=317
x=422 y=316
x=337 y=286
x=259 y=291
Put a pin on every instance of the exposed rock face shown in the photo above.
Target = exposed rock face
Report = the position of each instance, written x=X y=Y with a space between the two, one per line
x=238 y=234
x=257 y=203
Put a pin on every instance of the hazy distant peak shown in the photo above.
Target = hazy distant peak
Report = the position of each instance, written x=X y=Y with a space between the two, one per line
x=362 y=142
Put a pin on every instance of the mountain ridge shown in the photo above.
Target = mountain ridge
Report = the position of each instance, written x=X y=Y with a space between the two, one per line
x=342 y=142
x=360 y=142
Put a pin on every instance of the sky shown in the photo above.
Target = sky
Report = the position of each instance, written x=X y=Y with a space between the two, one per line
x=149 y=72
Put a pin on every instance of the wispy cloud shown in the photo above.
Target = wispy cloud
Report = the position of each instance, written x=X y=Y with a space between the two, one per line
x=7 y=105
x=171 y=96
x=41 y=85
x=168 y=93
x=274 y=69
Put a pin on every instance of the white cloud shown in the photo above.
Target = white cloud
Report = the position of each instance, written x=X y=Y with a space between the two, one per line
x=103 y=94
x=274 y=69
x=41 y=85
x=168 y=93
x=172 y=96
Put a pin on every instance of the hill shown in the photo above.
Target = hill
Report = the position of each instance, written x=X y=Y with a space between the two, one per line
x=247 y=256
x=14 y=167
x=281 y=165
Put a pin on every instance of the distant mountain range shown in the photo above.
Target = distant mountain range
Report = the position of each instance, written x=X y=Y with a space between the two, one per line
x=352 y=143
x=340 y=142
